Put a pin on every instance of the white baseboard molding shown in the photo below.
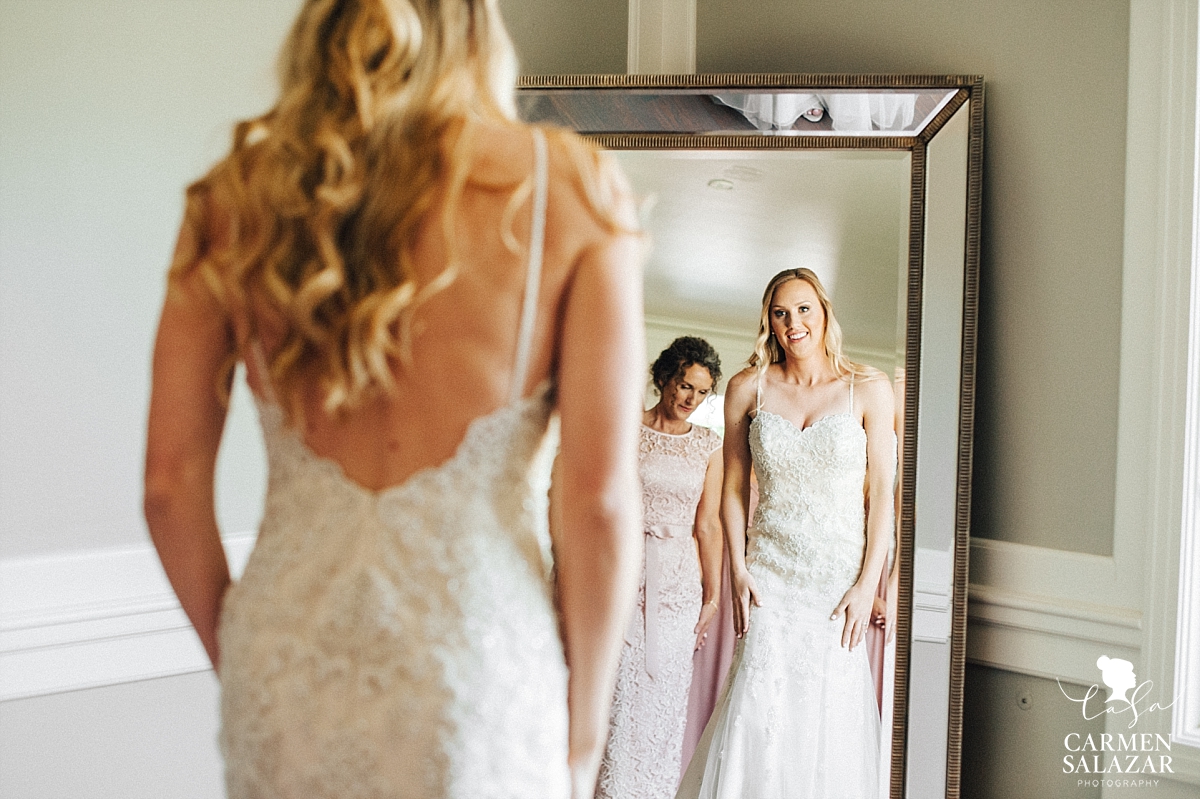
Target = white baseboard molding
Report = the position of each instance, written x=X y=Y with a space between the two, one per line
x=78 y=620
x=932 y=585
x=1048 y=612
x=931 y=617
x=101 y=617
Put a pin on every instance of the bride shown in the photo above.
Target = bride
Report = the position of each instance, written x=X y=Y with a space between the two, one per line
x=423 y=291
x=797 y=717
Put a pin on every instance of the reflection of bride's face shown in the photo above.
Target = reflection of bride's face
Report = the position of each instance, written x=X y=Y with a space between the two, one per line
x=797 y=319
x=683 y=393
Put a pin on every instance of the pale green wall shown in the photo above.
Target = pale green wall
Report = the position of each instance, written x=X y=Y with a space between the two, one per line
x=557 y=37
x=1015 y=728
x=108 y=109
x=1054 y=154
x=154 y=739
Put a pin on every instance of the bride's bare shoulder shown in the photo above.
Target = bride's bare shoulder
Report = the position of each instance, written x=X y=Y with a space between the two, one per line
x=742 y=387
x=586 y=187
x=875 y=392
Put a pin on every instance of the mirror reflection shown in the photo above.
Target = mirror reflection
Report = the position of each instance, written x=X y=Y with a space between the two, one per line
x=877 y=112
x=722 y=223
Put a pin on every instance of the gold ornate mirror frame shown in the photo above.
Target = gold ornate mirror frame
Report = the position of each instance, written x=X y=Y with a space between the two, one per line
x=655 y=112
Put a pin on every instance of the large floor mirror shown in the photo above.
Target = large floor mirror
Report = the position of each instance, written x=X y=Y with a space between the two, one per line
x=874 y=183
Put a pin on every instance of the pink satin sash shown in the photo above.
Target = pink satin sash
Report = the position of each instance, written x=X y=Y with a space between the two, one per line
x=656 y=537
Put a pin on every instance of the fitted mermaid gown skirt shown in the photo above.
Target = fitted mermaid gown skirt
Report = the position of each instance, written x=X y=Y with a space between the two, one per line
x=798 y=717
x=400 y=644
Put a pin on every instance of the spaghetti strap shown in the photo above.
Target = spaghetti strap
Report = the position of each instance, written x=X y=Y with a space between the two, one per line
x=533 y=271
x=758 y=394
x=262 y=370
x=851 y=395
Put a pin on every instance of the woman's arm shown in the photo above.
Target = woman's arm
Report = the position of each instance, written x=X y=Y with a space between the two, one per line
x=893 y=584
x=711 y=544
x=735 y=493
x=893 y=594
x=598 y=551
x=878 y=421
x=193 y=345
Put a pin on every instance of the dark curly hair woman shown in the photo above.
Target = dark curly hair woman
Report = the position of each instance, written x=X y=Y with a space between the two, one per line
x=680 y=467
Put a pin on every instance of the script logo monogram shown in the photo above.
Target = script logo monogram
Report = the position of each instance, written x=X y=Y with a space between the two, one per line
x=1135 y=753
x=1118 y=675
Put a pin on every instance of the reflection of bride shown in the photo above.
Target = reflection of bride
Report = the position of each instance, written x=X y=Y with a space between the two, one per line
x=680 y=467
x=798 y=716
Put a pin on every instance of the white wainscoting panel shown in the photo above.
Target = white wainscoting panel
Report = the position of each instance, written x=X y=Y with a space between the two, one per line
x=932 y=584
x=1041 y=612
x=100 y=617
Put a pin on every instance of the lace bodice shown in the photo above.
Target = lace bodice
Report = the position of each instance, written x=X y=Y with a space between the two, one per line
x=402 y=643
x=672 y=470
x=809 y=526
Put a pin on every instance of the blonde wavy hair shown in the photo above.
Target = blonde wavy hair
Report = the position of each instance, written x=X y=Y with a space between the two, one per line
x=767 y=350
x=326 y=191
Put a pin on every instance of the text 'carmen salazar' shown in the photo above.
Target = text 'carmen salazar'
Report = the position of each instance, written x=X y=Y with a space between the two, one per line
x=1136 y=753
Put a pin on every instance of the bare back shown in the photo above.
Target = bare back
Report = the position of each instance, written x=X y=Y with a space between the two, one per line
x=586 y=336
x=465 y=337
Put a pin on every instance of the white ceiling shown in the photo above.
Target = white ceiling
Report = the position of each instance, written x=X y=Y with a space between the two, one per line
x=722 y=223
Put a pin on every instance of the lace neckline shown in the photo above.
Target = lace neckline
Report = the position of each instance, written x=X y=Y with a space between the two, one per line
x=802 y=430
x=691 y=430
x=274 y=412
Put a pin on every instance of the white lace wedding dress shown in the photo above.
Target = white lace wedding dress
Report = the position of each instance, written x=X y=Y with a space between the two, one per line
x=797 y=718
x=649 y=715
x=403 y=643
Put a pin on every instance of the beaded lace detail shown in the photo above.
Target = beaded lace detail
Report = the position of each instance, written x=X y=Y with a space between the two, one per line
x=649 y=714
x=809 y=526
x=399 y=643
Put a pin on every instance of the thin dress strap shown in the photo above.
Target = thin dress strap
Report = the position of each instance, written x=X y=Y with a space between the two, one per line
x=851 y=394
x=262 y=370
x=533 y=271
x=758 y=394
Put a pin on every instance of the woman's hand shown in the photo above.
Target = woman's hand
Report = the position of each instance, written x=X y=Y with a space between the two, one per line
x=744 y=592
x=879 y=612
x=584 y=772
x=708 y=612
x=857 y=605
x=883 y=615
x=893 y=596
